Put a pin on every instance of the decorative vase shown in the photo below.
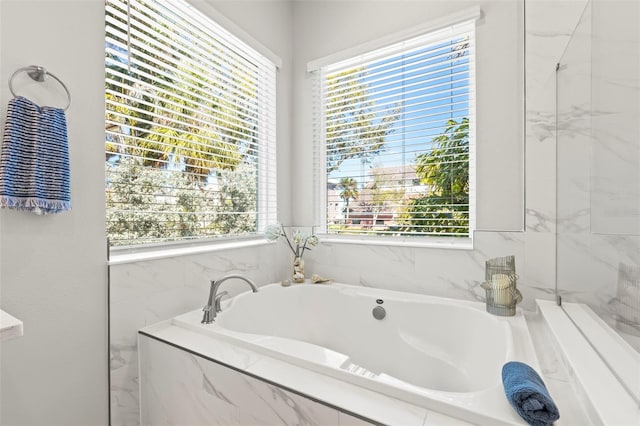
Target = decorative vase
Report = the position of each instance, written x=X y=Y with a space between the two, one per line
x=298 y=270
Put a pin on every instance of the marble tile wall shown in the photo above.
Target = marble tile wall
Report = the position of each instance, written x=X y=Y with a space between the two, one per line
x=549 y=26
x=615 y=184
x=439 y=272
x=143 y=293
x=598 y=157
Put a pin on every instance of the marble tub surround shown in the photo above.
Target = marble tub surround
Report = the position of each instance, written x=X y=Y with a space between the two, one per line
x=184 y=376
x=605 y=398
x=615 y=350
x=10 y=326
x=438 y=372
x=231 y=381
x=575 y=408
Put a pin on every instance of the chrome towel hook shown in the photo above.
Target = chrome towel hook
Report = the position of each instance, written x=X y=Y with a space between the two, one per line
x=39 y=74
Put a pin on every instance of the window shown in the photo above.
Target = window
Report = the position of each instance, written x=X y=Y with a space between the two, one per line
x=190 y=127
x=394 y=130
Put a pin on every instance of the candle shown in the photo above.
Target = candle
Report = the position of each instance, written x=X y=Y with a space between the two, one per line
x=500 y=284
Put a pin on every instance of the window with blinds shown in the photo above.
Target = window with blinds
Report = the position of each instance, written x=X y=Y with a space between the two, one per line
x=395 y=137
x=190 y=127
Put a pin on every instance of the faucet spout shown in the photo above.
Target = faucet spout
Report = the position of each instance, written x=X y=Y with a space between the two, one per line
x=213 y=303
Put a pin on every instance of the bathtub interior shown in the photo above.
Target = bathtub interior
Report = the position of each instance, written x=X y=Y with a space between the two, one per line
x=426 y=342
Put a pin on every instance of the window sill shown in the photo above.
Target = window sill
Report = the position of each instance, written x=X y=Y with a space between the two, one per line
x=119 y=256
x=436 y=243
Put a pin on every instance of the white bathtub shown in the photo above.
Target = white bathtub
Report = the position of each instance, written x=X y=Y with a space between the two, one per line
x=441 y=354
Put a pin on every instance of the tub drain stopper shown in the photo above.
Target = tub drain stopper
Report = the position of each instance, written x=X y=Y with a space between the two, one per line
x=379 y=312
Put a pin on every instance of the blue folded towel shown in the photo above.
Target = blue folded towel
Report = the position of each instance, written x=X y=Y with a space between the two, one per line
x=34 y=162
x=527 y=393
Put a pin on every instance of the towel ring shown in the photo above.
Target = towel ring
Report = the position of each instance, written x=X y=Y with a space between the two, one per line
x=39 y=74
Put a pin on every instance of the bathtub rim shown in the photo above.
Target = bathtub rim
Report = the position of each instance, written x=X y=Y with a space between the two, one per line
x=475 y=407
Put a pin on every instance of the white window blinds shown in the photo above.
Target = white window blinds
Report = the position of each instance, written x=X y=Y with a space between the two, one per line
x=190 y=126
x=395 y=138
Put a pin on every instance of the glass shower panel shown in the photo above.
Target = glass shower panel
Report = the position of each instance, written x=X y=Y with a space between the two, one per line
x=573 y=158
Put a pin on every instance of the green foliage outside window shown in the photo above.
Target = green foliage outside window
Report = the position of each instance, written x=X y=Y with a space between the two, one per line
x=152 y=204
x=445 y=169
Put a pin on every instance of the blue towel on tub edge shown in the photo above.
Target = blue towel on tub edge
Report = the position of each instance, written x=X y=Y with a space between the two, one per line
x=528 y=395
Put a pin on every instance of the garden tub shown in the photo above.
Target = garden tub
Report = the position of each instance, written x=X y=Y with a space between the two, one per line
x=438 y=353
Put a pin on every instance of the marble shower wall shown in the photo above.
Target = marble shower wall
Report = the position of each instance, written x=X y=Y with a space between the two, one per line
x=615 y=180
x=143 y=293
x=599 y=163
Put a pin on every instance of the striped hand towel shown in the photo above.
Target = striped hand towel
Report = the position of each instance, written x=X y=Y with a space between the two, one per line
x=34 y=162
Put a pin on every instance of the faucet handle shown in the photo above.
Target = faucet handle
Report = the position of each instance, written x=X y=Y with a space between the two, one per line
x=208 y=317
x=218 y=298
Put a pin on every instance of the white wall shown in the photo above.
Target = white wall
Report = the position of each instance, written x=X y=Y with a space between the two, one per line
x=52 y=269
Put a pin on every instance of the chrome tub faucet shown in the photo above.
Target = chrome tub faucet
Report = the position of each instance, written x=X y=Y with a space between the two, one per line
x=213 y=304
